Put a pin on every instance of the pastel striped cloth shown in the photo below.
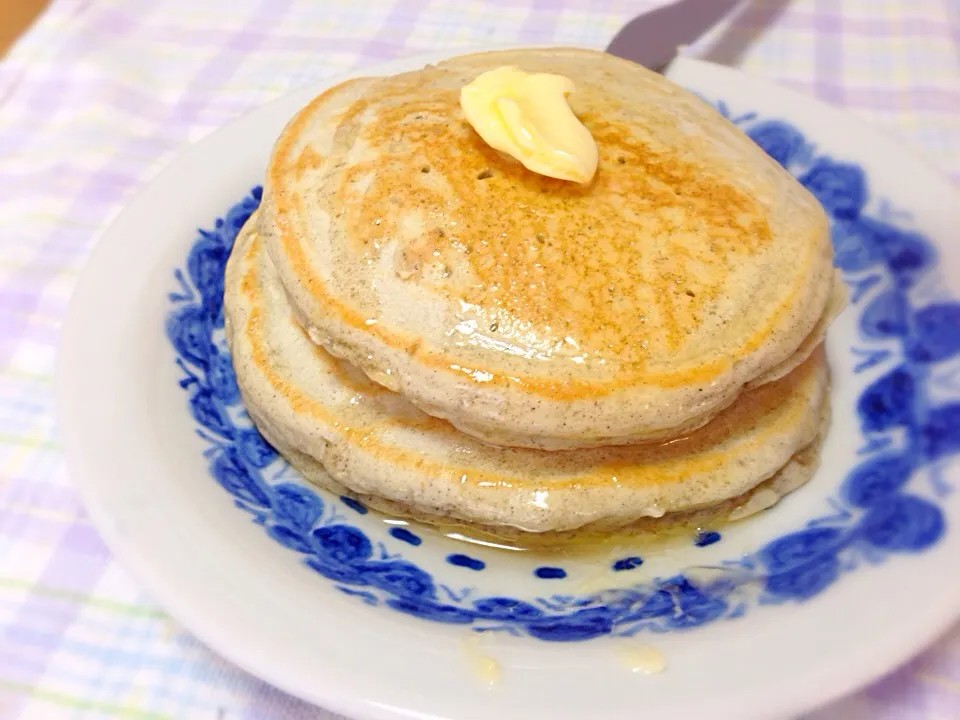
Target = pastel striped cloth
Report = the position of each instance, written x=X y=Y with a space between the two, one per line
x=99 y=95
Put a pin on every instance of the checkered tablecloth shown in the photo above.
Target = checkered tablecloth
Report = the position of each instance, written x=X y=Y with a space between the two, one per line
x=100 y=94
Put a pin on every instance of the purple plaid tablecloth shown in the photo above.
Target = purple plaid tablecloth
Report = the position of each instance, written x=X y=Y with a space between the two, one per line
x=100 y=94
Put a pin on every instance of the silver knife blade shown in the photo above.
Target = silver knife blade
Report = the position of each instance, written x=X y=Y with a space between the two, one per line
x=652 y=39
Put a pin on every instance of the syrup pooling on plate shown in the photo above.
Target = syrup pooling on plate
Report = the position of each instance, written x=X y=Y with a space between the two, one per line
x=640 y=658
x=481 y=664
x=619 y=550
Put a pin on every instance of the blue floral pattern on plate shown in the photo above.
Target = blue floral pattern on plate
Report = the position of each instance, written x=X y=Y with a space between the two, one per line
x=874 y=515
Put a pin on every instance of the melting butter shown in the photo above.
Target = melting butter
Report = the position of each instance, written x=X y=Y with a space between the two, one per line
x=526 y=116
x=483 y=667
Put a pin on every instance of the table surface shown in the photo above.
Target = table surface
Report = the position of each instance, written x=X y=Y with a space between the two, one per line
x=99 y=94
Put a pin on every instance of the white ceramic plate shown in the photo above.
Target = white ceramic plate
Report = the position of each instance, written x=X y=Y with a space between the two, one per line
x=836 y=585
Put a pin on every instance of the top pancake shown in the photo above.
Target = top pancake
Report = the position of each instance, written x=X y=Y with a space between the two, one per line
x=530 y=311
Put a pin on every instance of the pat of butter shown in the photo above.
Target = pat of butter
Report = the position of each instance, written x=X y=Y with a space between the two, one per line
x=526 y=116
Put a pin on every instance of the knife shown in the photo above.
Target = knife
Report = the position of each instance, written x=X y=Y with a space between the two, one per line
x=652 y=39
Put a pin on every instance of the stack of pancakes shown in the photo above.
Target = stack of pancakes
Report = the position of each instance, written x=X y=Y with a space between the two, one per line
x=419 y=321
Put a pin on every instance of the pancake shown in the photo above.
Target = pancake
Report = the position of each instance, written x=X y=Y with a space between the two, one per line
x=328 y=417
x=533 y=312
x=796 y=473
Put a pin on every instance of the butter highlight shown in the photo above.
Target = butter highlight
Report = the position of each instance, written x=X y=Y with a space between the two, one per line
x=526 y=116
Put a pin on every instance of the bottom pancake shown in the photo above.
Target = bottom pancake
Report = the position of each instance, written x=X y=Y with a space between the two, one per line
x=798 y=470
x=352 y=435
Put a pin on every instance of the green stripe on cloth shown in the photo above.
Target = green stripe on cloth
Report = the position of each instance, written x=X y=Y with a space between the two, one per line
x=109 y=606
x=118 y=711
